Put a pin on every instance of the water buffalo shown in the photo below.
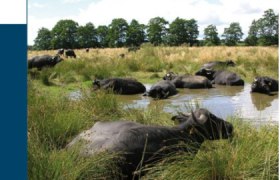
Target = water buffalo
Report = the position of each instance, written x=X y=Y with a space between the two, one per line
x=213 y=64
x=43 y=61
x=120 y=85
x=264 y=85
x=162 y=90
x=60 y=51
x=138 y=143
x=70 y=53
x=221 y=77
x=188 y=81
x=87 y=50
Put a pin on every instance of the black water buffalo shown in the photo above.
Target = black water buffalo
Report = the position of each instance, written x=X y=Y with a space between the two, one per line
x=136 y=142
x=120 y=85
x=221 y=77
x=213 y=64
x=87 y=49
x=43 y=61
x=188 y=81
x=162 y=90
x=264 y=85
x=60 y=51
x=70 y=53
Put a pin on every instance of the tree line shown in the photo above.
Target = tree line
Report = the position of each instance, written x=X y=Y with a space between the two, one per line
x=68 y=34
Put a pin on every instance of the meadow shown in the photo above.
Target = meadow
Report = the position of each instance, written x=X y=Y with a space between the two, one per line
x=54 y=119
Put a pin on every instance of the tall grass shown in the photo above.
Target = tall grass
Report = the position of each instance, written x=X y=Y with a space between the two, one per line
x=53 y=121
x=251 y=154
x=104 y=63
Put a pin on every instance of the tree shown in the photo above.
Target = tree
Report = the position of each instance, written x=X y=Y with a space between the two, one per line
x=178 y=33
x=64 y=34
x=268 y=31
x=192 y=29
x=211 y=36
x=86 y=36
x=157 y=30
x=135 y=33
x=102 y=36
x=252 y=38
x=43 y=39
x=232 y=34
x=118 y=32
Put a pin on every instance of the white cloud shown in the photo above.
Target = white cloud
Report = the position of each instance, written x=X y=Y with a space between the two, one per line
x=220 y=14
x=71 y=1
x=36 y=5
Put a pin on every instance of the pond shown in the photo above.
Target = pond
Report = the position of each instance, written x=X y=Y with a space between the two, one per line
x=223 y=101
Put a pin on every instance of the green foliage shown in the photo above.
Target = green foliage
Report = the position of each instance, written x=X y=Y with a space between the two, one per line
x=135 y=33
x=86 y=36
x=157 y=30
x=68 y=34
x=118 y=33
x=64 y=34
x=211 y=36
x=102 y=36
x=178 y=34
x=193 y=32
x=252 y=39
x=183 y=31
x=268 y=31
x=43 y=40
x=264 y=31
x=232 y=34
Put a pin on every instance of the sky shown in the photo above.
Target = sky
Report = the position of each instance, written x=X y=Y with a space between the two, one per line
x=221 y=13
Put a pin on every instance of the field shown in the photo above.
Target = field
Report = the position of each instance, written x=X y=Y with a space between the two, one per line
x=54 y=120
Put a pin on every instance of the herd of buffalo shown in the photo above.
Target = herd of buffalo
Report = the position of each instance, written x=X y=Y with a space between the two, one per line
x=138 y=143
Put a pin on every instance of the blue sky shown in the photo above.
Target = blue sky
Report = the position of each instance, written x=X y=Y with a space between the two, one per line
x=42 y=13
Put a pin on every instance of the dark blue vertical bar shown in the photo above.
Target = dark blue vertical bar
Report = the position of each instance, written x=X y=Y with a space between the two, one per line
x=13 y=96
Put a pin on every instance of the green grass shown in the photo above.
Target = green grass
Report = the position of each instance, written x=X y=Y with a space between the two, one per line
x=251 y=154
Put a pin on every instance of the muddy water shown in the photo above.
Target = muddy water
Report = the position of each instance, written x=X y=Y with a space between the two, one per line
x=223 y=101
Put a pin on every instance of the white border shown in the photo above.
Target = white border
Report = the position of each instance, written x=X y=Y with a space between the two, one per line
x=13 y=11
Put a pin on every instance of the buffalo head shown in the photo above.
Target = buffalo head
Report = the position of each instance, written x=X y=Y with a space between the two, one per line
x=96 y=84
x=205 y=125
x=57 y=59
x=169 y=76
x=209 y=73
x=157 y=93
x=259 y=85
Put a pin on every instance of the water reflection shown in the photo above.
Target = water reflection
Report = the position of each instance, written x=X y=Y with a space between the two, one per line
x=262 y=101
x=223 y=101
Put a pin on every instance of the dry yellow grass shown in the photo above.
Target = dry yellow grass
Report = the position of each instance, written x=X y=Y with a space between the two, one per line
x=171 y=54
x=251 y=61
